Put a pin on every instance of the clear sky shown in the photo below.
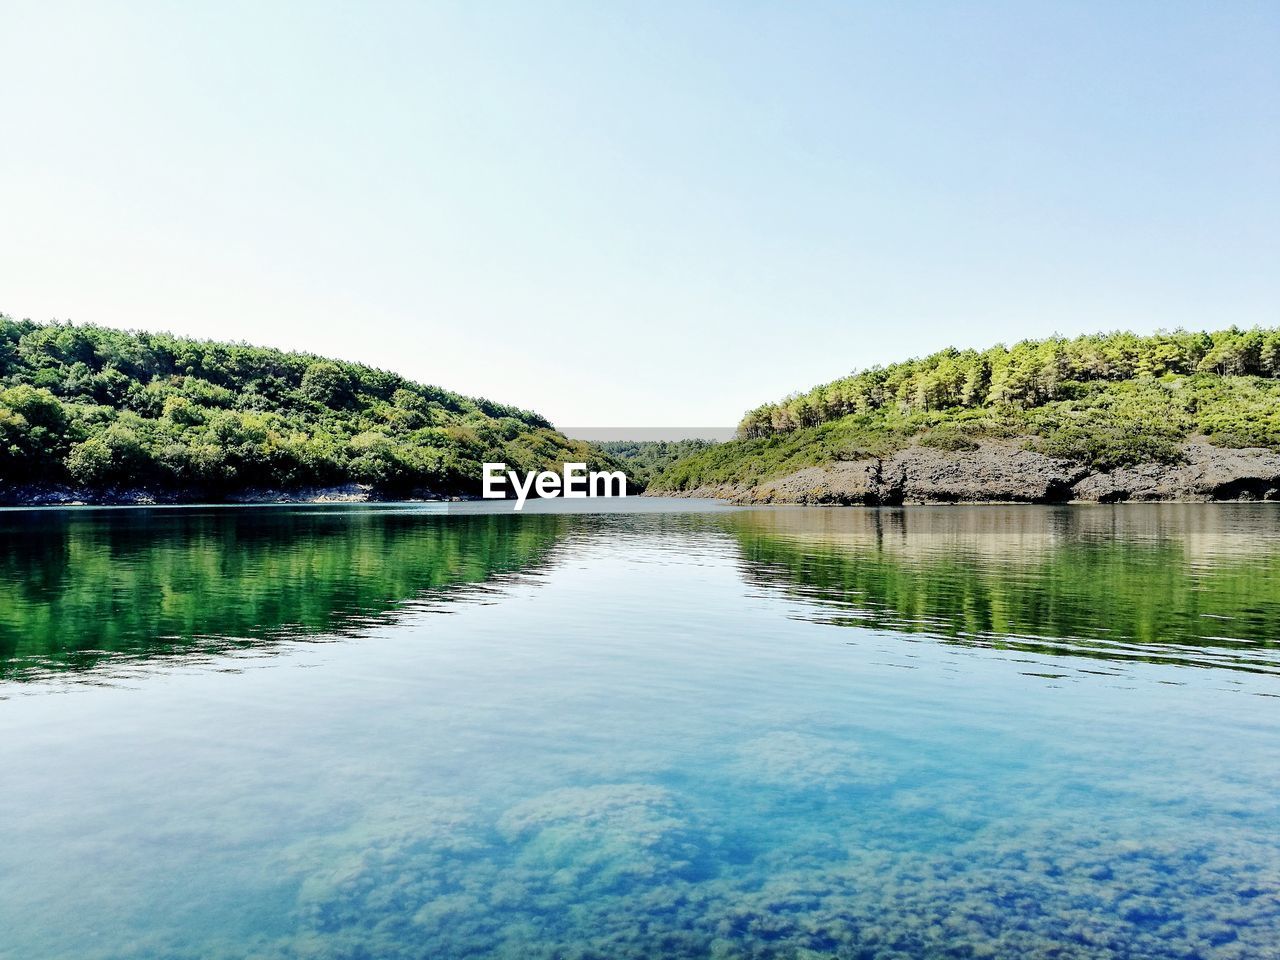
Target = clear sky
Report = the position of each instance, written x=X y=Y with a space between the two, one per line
x=639 y=213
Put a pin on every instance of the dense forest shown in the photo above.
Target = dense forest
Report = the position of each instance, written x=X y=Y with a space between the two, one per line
x=100 y=410
x=1105 y=400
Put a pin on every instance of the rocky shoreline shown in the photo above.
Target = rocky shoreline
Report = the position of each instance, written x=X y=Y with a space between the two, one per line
x=1008 y=472
x=63 y=496
x=995 y=472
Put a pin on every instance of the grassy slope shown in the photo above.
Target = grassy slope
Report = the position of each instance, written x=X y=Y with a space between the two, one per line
x=1105 y=401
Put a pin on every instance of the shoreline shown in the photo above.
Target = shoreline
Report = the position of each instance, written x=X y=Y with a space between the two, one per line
x=997 y=472
x=32 y=496
x=709 y=495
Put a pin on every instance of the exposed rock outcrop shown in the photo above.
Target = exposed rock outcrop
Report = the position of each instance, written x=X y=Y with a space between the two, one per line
x=1207 y=473
x=1009 y=472
x=993 y=473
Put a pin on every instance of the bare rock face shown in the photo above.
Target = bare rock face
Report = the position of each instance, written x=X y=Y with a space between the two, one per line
x=995 y=472
x=1008 y=472
x=1208 y=473
x=852 y=482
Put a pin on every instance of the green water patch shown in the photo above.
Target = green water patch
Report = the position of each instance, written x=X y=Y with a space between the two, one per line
x=1161 y=583
x=80 y=590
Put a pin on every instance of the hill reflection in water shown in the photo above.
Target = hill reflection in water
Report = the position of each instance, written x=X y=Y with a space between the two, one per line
x=82 y=592
x=1164 y=583
x=90 y=589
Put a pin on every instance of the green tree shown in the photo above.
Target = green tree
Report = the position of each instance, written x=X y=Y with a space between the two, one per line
x=327 y=383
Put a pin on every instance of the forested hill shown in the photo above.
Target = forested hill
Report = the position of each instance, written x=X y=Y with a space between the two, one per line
x=645 y=459
x=101 y=410
x=1104 y=401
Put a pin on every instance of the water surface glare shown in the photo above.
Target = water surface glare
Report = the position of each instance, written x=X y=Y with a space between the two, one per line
x=676 y=731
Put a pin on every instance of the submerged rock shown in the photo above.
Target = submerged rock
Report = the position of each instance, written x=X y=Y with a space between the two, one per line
x=603 y=835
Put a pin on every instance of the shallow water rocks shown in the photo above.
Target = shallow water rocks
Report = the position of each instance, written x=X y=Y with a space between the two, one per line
x=798 y=761
x=930 y=869
x=603 y=834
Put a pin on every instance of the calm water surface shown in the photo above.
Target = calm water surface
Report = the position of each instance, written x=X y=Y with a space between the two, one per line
x=677 y=730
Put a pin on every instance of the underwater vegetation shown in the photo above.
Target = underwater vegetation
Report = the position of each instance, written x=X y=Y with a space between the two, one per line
x=793 y=848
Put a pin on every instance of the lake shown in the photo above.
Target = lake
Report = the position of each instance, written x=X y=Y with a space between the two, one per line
x=655 y=729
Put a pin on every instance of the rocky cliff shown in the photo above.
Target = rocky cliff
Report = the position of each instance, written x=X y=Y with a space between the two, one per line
x=1007 y=472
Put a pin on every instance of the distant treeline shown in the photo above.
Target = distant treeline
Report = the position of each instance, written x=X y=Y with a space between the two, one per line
x=645 y=459
x=101 y=408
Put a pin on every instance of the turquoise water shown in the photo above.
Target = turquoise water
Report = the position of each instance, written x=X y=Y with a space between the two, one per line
x=673 y=731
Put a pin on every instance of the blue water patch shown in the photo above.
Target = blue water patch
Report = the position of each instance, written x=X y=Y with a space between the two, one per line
x=757 y=734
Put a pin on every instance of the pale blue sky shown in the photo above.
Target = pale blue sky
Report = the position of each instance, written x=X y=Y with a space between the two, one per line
x=639 y=214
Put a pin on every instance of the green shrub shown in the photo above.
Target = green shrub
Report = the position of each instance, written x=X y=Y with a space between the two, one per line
x=949 y=438
x=118 y=456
